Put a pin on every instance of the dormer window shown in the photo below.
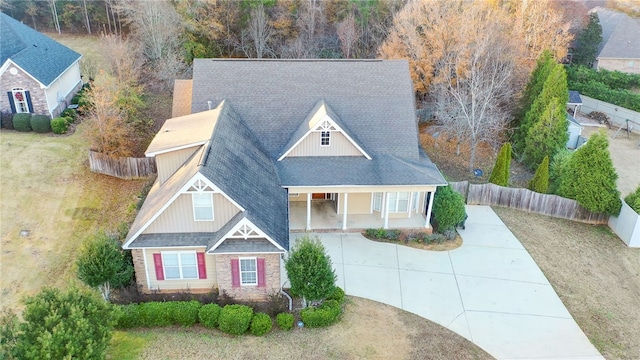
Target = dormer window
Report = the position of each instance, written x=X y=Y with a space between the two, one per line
x=325 y=138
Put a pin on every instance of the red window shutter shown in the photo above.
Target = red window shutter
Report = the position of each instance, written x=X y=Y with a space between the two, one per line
x=202 y=269
x=157 y=260
x=261 y=273
x=235 y=273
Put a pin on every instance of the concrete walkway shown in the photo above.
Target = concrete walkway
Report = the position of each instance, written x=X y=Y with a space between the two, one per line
x=489 y=290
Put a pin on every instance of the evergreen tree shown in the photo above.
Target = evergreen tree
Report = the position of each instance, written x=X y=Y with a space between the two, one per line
x=540 y=181
x=547 y=136
x=103 y=265
x=591 y=178
x=500 y=172
x=587 y=42
x=533 y=89
x=310 y=271
x=558 y=169
x=448 y=209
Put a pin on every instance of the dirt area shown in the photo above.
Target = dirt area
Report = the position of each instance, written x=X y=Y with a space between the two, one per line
x=625 y=154
x=456 y=167
x=369 y=330
x=594 y=273
x=50 y=202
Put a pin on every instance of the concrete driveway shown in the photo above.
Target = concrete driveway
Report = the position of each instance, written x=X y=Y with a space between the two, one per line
x=489 y=290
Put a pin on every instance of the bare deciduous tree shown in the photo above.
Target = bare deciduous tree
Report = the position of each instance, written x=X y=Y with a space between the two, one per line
x=259 y=31
x=125 y=62
x=348 y=34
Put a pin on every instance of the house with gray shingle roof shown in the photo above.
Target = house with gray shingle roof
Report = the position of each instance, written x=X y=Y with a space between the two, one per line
x=270 y=148
x=620 y=46
x=37 y=74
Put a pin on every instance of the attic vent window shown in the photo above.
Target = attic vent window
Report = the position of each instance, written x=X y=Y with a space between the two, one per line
x=325 y=138
x=200 y=186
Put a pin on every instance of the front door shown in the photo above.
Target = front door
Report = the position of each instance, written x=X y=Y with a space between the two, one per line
x=319 y=196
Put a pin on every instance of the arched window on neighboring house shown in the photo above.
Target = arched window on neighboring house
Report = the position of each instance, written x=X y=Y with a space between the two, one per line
x=20 y=100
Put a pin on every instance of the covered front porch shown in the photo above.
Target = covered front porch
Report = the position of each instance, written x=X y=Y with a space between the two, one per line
x=358 y=210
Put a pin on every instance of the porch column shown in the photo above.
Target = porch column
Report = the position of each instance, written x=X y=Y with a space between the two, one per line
x=344 y=212
x=386 y=214
x=383 y=205
x=410 y=209
x=427 y=223
x=308 y=211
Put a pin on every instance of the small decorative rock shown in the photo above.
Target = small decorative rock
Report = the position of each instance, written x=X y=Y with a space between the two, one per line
x=300 y=324
x=24 y=233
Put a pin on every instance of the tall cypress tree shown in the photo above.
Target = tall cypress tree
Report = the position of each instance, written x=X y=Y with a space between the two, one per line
x=591 y=178
x=500 y=172
x=540 y=181
x=547 y=116
x=533 y=89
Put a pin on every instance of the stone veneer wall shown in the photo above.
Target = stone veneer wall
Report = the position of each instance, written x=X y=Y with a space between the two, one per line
x=138 y=267
x=272 y=277
x=9 y=81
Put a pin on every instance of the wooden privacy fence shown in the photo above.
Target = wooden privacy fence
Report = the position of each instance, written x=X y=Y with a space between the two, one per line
x=525 y=199
x=122 y=167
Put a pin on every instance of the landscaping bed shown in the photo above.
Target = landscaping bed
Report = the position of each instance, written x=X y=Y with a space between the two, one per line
x=415 y=239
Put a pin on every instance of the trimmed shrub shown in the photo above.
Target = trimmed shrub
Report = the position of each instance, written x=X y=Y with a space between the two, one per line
x=72 y=114
x=208 y=315
x=185 y=313
x=6 y=120
x=448 y=209
x=41 y=123
x=130 y=317
x=261 y=324
x=633 y=200
x=285 y=321
x=75 y=100
x=381 y=233
x=500 y=172
x=155 y=314
x=235 y=319
x=22 y=122
x=337 y=295
x=59 y=125
x=323 y=315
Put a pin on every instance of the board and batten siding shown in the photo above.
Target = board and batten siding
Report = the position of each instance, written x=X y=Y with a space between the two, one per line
x=357 y=203
x=178 y=217
x=339 y=146
x=195 y=285
x=168 y=163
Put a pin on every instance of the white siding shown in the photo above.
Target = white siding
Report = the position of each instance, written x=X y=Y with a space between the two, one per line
x=339 y=146
x=168 y=163
x=178 y=217
x=62 y=87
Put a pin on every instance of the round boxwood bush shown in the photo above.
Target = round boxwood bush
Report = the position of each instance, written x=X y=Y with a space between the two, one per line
x=59 y=125
x=285 y=321
x=323 y=315
x=22 y=122
x=208 y=315
x=41 y=123
x=72 y=114
x=337 y=295
x=6 y=120
x=261 y=324
x=185 y=313
x=156 y=314
x=235 y=319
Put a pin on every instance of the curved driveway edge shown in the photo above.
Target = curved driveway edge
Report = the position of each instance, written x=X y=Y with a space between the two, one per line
x=489 y=290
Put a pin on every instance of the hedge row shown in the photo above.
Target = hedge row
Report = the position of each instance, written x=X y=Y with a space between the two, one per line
x=26 y=122
x=232 y=319
x=609 y=86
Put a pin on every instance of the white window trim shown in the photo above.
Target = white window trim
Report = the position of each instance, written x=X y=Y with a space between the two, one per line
x=396 y=201
x=193 y=204
x=240 y=271
x=178 y=253
x=19 y=104
x=328 y=133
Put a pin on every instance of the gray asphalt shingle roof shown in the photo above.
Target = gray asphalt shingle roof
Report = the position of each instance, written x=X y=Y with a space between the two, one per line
x=172 y=239
x=373 y=98
x=40 y=56
x=574 y=97
x=620 y=35
x=237 y=164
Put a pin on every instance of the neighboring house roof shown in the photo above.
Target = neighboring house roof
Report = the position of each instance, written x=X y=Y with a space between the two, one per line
x=40 y=56
x=181 y=98
x=620 y=35
x=573 y=121
x=574 y=98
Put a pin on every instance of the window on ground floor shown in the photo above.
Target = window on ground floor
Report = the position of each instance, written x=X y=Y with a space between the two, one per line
x=20 y=100
x=377 y=201
x=398 y=202
x=180 y=265
x=248 y=271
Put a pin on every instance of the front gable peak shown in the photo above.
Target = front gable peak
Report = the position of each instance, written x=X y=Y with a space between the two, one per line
x=317 y=130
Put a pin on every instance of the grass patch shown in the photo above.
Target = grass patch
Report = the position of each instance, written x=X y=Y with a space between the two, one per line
x=595 y=274
x=127 y=345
